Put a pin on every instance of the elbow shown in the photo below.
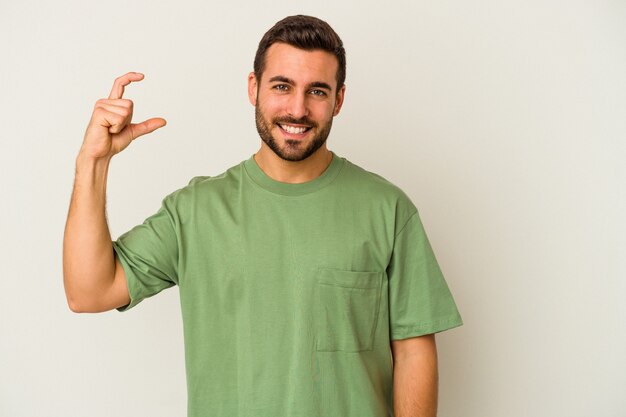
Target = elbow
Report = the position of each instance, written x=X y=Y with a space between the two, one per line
x=75 y=308
x=77 y=299
x=74 y=305
x=93 y=294
x=71 y=296
x=78 y=307
x=83 y=303
x=78 y=302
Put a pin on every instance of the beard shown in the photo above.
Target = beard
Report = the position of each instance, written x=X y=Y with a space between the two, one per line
x=293 y=150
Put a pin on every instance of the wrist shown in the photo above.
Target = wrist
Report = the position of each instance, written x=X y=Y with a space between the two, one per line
x=92 y=171
x=85 y=160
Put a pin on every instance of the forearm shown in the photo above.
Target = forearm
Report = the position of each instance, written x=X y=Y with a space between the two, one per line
x=94 y=280
x=88 y=260
x=415 y=385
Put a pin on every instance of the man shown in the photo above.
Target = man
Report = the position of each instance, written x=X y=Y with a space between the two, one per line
x=307 y=284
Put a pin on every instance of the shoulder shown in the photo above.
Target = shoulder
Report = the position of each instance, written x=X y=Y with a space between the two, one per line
x=363 y=184
x=205 y=186
x=363 y=177
x=372 y=184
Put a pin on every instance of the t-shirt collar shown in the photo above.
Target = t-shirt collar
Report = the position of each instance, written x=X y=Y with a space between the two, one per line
x=257 y=175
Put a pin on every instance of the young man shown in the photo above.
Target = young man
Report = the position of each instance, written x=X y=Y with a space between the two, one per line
x=307 y=284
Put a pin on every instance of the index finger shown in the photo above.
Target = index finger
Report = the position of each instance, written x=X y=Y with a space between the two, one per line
x=120 y=82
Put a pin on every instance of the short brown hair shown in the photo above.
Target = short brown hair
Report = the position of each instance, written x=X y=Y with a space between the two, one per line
x=304 y=32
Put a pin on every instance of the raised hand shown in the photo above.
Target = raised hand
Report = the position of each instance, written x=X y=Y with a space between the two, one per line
x=110 y=129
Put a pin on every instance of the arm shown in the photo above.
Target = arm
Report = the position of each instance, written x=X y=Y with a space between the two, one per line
x=94 y=279
x=415 y=376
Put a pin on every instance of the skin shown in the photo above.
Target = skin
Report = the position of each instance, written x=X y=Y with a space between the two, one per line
x=297 y=88
x=415 y=377
x=94 y=279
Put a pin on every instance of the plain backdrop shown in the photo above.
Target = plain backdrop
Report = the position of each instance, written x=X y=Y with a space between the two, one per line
x=504 y=122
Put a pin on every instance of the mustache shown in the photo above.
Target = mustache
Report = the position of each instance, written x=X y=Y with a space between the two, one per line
x=292 y=120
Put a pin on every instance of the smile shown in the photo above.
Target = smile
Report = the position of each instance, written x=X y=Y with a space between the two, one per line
x=294 y=130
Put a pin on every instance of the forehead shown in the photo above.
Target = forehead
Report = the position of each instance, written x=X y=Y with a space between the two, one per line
x=300 y=65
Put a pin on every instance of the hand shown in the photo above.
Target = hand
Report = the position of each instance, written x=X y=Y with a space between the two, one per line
x=110 y=129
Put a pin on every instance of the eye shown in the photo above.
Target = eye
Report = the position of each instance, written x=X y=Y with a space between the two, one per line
x=318 y=92
x=281 y=87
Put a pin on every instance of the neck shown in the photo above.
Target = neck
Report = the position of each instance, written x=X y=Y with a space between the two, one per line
x=293 y=172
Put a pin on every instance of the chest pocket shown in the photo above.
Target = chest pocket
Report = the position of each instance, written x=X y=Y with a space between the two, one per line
x=348 y=305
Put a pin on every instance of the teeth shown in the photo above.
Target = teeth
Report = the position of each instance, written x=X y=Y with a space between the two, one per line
x=293 y=129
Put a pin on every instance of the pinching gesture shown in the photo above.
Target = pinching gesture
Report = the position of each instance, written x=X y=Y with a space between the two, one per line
x=110 y=129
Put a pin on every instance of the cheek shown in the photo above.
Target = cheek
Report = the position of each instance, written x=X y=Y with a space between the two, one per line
x=322 y=111
x=271 y=108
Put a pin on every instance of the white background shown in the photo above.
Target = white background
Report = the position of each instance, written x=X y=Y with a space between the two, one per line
x=504 y=122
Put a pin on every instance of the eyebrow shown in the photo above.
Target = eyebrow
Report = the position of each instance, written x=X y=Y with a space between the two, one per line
x=314 y=84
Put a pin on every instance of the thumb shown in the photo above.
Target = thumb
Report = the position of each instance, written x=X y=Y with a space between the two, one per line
x=145 y=127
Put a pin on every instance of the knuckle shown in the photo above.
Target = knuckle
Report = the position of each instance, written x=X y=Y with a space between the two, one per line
x=117 y=123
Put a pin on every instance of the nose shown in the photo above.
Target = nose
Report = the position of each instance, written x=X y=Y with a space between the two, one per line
x=297 y=106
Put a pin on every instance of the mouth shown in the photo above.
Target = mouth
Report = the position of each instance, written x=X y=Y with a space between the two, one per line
x=297 y=130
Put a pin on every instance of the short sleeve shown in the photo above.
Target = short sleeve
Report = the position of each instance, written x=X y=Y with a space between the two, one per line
x=420 y=301
x=149 y=255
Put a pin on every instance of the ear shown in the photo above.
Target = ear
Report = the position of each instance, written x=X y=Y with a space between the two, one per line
x=339 y=99
x=252 y=88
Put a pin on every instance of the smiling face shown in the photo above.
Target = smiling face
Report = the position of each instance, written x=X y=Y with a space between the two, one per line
x=296 y=100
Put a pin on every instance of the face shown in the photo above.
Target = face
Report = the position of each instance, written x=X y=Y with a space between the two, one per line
x=296 y=100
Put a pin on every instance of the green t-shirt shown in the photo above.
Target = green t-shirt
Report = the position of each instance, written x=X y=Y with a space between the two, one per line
x=290 y=293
